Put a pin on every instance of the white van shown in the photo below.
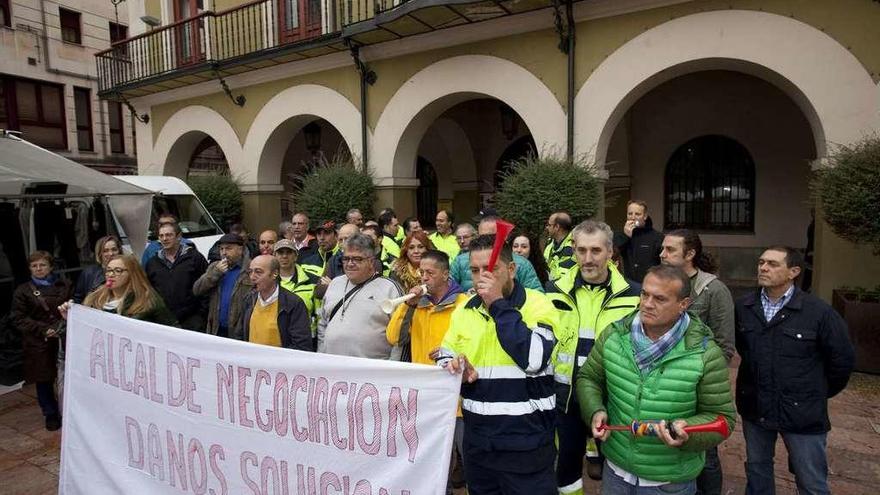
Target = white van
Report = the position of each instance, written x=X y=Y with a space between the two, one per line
x=175 y=197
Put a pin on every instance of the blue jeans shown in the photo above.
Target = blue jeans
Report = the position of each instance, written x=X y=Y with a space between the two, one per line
x=806 y=460
x=612 y=484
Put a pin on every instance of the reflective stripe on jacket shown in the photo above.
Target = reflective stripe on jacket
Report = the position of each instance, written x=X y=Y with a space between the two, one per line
x=584 y=311
x=511 y=405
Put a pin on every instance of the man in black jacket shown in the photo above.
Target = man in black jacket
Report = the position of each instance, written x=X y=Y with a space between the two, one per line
x=796 y=354
x=272 y=315
x=639 y=244
x=173 y=271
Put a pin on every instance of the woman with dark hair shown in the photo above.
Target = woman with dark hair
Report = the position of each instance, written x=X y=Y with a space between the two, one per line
x=92 y=276
x=528 y=248
x=35 y=312
x=405 y=270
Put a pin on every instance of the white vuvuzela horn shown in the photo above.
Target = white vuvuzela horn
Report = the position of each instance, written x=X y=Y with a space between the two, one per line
x=389 y=305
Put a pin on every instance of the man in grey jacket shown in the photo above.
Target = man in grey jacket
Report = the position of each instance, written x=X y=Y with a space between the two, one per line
x=712 y=303
x=351 y=321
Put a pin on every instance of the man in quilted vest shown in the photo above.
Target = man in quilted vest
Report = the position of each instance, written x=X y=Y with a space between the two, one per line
x=656 y=364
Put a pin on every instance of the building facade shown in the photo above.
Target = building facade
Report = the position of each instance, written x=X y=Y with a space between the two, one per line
x=713 y=112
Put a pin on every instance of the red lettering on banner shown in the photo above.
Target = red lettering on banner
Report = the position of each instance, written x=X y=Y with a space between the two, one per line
x=339 y=442
x=111 y=376
x=155 y=396
x=154 y=450
x=199 y=485
x=281 y=404
x=125 y=384
x=191 y=406
x=349 y=411
x=299 y=383
x=213 y=453
x=174 y=367
x=407 y=418
x=248 y=457
x=318 y=410
x=329 y=479
x=243 y=398
x=363 y=487
x=368 y=390
x=224 y=384
x=140 y=372
x=176 y=459
x=96 y=355
x=262 y=376
x=135 y=455
x=269 y=470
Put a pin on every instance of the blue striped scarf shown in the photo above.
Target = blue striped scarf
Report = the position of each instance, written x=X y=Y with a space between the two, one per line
x=648 y=352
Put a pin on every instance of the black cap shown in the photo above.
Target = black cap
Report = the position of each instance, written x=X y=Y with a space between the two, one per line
x=231 y=239
x=486 y=212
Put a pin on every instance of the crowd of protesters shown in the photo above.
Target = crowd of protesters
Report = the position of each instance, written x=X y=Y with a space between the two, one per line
x=565 y=335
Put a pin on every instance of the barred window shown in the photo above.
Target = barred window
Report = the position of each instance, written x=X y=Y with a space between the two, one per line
x=710 y=185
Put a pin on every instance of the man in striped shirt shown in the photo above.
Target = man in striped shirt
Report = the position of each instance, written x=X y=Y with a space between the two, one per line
x=501 y=341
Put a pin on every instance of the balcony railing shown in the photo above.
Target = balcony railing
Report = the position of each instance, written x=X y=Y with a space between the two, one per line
x=240 y=38
x=221 y=36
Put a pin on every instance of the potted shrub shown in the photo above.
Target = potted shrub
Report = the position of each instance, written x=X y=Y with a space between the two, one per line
x=535 y=187
x=220 y=195
x=848 y=192
x=328 y=191
x=860 y=309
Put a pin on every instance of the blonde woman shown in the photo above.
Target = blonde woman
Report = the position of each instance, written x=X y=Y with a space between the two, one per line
x=92 y=276
x=127 y=292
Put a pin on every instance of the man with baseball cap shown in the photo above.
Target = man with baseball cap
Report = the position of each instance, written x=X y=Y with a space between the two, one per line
x=294 y=277
x=327 y=247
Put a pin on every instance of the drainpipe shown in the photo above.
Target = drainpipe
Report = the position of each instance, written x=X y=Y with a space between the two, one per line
x=569 y=14
x=367 y=77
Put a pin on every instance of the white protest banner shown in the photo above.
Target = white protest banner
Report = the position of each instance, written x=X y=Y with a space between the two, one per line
x=155 y=410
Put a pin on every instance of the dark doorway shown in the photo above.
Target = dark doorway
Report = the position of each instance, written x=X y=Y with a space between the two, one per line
x=426 y=194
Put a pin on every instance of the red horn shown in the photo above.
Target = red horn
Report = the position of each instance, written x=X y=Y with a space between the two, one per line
x=502 y=230
x=718 y=426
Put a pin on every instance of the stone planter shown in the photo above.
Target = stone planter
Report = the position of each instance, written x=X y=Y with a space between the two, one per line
x=862 y=315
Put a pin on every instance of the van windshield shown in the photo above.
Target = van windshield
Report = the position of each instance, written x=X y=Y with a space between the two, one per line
x=192 y=217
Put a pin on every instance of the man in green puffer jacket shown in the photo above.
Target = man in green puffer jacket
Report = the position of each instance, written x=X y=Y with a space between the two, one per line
x=655 y=364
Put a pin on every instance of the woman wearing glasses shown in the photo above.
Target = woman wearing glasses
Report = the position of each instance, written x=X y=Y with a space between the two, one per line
x=127 y=292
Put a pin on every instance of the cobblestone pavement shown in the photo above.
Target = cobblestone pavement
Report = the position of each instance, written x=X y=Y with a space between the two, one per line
x=29 y=455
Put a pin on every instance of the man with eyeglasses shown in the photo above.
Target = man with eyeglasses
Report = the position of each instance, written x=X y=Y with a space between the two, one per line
x=351 y=321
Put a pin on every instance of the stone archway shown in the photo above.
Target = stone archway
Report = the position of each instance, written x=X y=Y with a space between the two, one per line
x=182 y=134
x=444 y=84
x=833 y=90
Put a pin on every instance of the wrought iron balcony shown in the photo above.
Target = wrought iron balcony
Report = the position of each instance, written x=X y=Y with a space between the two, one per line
x=269 y=32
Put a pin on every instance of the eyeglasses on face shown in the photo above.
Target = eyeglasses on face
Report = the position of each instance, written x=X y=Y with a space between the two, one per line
x=115 y=271
x=354 y=259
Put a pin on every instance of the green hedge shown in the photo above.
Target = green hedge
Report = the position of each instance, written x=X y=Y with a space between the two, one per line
x=535 y=187
x=330 y=190
x=220 y=195
x=849 y=192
